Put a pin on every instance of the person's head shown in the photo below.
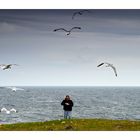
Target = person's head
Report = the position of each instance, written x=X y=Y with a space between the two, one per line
x=67 y=97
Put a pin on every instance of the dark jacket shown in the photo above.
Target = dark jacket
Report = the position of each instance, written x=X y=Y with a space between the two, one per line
x=67 y=107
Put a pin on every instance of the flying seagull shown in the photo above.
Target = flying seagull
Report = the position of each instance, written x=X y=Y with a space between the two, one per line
x=14 y=89
x=79 y=13
x=109 y=65
x=68 y=31
x=7 y=66
x=8 y=111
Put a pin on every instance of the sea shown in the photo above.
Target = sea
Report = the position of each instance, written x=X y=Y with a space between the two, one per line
x=36 y=104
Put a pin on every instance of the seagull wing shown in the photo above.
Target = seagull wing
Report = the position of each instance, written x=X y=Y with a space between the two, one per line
x=74 y=14
x=19 y=89
x=12 y=88
x=3 y=109
x=8 y=66
x=13 y=110
x=82 y=11
x=60 y=29
x=114 y=69
x=108 y=63
x=100 y=64
x=75 y=28
x=2 y=66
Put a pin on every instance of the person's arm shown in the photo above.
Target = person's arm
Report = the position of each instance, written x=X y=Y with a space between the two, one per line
x=71 y=103
x=62 y=102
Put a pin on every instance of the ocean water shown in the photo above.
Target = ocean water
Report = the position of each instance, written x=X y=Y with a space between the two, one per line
x=44 y=103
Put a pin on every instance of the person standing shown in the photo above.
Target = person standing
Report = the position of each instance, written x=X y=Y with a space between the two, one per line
x=67 y=106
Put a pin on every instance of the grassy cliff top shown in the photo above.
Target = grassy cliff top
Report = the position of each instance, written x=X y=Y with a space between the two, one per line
x=75 y=125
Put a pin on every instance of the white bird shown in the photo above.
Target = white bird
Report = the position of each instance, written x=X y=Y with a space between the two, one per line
x=109 y=65
x=13 y=110
x=5 y=110
x=7 y=66
x=8 y=111
x=68 y=31
x=79 y=13
x=14 y=89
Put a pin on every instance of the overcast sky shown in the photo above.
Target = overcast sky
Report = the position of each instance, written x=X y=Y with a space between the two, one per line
x=48 y=58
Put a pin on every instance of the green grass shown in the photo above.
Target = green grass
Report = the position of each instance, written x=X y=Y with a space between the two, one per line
x=75 y=125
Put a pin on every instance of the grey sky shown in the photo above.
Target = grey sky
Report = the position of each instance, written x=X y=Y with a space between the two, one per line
x=52 y=58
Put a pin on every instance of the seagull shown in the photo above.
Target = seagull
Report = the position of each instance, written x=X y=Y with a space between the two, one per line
x=13 y=110
x=8 y=111
x=109 y=65
x=68 y=31
x=79 y=13
x=7 y=66
x=14 y=89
